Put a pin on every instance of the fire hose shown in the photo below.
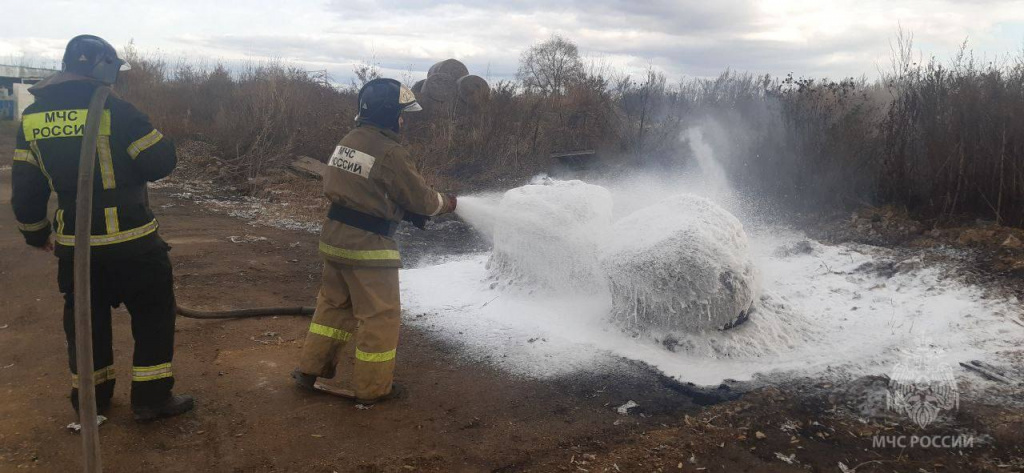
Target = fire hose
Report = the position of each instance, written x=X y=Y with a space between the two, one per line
x=242 y=313
x=83 y=302
x=82 y=297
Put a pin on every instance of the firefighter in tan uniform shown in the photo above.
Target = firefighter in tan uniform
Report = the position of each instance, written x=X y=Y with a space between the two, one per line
x=372 y=186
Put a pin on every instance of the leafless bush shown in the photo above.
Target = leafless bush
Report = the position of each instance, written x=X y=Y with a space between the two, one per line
x=956 y=139
x=942 y=140
x=258 y=117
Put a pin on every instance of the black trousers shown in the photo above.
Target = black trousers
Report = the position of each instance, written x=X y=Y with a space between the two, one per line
x=145 y=285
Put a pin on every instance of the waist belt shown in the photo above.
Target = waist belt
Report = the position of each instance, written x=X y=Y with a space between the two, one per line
x=362 y=221
x=121 y=197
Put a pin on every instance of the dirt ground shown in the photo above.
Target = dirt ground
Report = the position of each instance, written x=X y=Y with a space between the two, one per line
x=458 y=415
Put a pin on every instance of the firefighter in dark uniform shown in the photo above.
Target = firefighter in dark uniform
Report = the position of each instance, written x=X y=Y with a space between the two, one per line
x=129 y=259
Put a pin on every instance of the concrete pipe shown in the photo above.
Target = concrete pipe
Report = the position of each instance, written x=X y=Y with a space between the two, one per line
x=473 y=90
x=452 y=67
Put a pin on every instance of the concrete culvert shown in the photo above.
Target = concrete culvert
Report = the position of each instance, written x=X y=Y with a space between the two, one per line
x=546 y=237
x=681 y=265
x=440 y=87
x=417 y=88
x=453 y=67
x=473 y=90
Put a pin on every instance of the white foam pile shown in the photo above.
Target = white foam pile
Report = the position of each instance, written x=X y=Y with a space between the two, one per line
x=818 y=310
x=681 y=265
x=546 y=237
x=820 y=315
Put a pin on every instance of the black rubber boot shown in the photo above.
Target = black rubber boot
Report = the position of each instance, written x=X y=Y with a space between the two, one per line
x=174 y=406
x=304 y=381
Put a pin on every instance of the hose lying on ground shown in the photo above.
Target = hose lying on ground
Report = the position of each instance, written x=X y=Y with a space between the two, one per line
x=82 y=260
x=242 y=313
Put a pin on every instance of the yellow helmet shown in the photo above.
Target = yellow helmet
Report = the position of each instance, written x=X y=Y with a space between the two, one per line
x=407 y=100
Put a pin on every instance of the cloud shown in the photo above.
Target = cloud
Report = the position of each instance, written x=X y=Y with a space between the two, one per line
x=32 y=51
x=834 y=38
x=702 y=38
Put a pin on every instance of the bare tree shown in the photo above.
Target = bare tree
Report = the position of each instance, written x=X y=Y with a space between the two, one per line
x=651 y=96
x=547 y=67
x=365 y=71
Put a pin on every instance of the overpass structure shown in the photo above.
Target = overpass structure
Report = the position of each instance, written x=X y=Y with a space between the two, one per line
x=14 y=84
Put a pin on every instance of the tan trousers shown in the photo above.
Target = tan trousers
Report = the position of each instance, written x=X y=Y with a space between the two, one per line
x=357 y=303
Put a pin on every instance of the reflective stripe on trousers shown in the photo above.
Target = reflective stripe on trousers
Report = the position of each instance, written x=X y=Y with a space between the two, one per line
x=32 y=227
x=99 y=376
x=329 y=332
x=379 y=357
x=151 y=373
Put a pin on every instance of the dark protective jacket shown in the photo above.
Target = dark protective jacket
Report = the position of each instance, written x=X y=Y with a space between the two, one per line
x=129 y=153
x=372 y=173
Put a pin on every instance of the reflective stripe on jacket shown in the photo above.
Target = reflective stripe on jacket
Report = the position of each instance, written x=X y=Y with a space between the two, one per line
x=129 y=153
x=371 y=172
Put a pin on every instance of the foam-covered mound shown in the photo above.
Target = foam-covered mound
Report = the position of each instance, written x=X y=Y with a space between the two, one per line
x=546 y=236
x=681 y=265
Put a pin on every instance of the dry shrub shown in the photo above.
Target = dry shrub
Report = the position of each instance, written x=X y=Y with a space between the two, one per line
x=955 y=137
x=943 y=141
x=258 y=118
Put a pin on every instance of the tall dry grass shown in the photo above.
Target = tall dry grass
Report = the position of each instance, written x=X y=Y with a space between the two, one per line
x=258 y=117
x=954 y=137
x=944 y=140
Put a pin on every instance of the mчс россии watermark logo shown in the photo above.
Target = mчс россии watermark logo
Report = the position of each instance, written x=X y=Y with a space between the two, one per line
x=921 y=387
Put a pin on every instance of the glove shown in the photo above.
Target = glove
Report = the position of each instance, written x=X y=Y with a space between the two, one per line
x=418 y=221
x=452 y=202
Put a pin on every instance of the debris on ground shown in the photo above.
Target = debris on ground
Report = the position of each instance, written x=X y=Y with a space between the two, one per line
x=77 y=427
x=988 y=371
x=308 y=167
x=790 y=459
x=826 y=432
x=1012 y=242
x=246 y=239
x=880 y=225
x=624 y=409
x=801 y=247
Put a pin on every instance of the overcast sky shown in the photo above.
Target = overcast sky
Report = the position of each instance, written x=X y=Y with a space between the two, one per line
x=694 y=38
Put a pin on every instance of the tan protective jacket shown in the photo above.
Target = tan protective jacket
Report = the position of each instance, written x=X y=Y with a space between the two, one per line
x=372 y=173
